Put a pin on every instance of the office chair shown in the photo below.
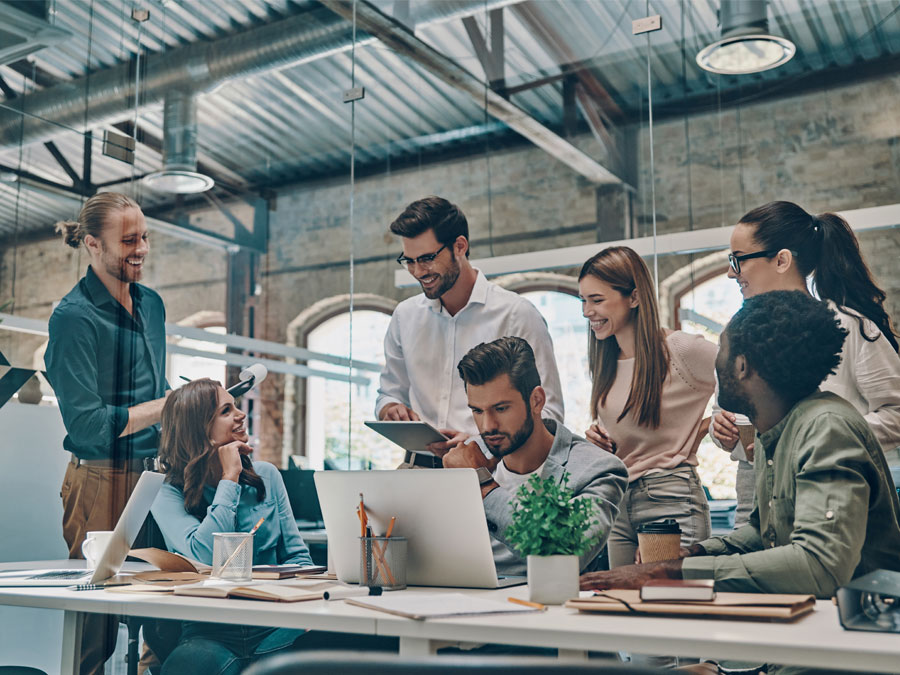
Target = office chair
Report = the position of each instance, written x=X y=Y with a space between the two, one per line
x=362 y=663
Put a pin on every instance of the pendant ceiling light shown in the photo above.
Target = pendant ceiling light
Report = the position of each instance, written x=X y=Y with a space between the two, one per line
x=179 y=173
x=746 y=45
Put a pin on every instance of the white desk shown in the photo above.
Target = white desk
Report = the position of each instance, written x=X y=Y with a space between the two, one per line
x=815 y=640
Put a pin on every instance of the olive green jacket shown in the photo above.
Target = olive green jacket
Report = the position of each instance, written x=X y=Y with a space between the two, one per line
x=826 y=508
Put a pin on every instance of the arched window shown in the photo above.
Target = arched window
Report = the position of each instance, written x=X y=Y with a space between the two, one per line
x=700 y=298
x=556 y=298
x=320 y=413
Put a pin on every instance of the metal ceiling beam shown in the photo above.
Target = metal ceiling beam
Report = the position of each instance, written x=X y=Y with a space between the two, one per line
x=399 y=38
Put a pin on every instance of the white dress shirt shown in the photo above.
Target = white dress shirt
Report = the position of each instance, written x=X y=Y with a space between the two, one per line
x=424 y=344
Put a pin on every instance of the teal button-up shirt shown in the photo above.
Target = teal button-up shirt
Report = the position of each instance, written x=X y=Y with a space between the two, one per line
x=826 y=508
x=100 y=361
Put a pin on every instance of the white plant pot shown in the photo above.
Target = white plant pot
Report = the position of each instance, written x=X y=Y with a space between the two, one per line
x=552 y=579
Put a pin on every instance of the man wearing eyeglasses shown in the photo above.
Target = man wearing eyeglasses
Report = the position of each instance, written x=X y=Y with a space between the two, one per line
x=458 y=310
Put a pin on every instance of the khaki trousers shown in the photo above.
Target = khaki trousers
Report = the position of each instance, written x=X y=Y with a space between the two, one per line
x=93 y=498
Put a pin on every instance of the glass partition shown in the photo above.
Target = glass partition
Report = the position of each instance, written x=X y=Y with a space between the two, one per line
x=534 y=118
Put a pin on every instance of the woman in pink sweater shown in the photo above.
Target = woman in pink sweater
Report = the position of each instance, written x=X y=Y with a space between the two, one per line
x=650 y=390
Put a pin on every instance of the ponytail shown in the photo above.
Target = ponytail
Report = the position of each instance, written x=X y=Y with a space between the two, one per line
x=827 y=249
x=71 y=231
x=842 y=276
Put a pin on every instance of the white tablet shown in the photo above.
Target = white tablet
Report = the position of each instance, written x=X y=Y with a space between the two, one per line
x=412 y=436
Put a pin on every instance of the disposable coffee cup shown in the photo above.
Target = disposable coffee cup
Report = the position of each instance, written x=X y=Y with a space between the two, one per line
x=659 y=541
x=747 y=433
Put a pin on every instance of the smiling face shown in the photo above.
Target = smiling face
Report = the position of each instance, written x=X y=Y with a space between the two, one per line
x=505 y=421
x=758 y=275
x=608 y=310
x=228 y=425
x=438 y=276
x=122 y=246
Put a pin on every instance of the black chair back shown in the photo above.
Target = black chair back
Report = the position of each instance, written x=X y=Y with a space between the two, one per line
x=361 y=663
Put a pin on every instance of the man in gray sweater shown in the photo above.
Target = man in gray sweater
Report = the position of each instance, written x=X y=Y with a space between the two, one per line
x=505 y=396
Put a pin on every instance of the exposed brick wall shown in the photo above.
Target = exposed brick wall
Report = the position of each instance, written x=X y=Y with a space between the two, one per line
x=831 y=149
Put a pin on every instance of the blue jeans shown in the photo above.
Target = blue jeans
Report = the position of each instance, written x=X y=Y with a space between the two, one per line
x=224 y=649
x=674 y=493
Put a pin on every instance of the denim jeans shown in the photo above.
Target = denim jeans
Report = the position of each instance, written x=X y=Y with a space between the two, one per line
x=745 y=486
x=674 y=493
x=224 y=649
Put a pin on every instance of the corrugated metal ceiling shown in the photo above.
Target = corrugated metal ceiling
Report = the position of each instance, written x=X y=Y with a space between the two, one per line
x=290 y=124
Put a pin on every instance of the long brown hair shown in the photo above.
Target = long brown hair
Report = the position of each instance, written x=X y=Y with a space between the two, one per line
x=625 y=271
x=93 y=217
x=186 y=455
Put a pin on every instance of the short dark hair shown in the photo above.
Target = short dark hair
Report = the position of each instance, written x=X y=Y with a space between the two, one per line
x=432 y=213
x=511 y=356
x=790 y=339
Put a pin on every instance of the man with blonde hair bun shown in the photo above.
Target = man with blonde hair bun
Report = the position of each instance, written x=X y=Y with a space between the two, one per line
x=106 y=361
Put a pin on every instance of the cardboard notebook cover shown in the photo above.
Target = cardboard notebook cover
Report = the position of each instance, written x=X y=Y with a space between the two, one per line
x=272 y=591
x=169 y=562
x=731 y=605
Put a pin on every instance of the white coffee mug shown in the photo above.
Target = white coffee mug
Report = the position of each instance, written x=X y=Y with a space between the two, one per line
x=94 y=545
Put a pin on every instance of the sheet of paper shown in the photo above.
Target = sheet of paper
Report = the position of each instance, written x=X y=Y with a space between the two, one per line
x=435 y=605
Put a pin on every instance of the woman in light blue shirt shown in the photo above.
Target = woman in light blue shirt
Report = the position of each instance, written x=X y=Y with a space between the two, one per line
x=213 y=486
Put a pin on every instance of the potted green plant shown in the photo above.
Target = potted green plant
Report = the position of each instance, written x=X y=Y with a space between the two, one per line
x=550 y=528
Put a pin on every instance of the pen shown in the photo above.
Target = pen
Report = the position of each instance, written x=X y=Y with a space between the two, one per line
x=97 y=587
x=341 y=593
x=528 y=603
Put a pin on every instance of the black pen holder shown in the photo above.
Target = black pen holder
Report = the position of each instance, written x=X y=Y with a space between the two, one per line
x=382 y=562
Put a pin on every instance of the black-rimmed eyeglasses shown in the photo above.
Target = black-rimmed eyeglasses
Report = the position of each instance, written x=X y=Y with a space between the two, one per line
x=426 y=259
x=736 y=260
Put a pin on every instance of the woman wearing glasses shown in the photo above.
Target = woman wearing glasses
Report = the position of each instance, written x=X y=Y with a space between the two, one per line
x=649 y=394
x=779 y=246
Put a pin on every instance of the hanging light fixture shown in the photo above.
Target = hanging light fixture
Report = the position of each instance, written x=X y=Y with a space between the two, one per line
x=179 y=173
x=746 y=45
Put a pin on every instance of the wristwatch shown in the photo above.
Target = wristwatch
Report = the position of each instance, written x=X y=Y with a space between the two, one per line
x=484 y=475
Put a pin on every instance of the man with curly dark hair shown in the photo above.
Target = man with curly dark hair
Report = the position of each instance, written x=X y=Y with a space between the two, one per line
x=826 y=508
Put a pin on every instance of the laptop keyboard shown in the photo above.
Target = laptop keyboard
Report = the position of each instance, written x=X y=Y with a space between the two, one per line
x=59 y=574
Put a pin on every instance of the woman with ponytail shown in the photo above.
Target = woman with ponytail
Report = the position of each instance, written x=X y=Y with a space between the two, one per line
x=779 y=246
x=213 y=486
x=650 y=390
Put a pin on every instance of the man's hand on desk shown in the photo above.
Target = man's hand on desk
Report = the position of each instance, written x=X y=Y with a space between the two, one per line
x=397 y=412
x=454 y=438
x=631 y=576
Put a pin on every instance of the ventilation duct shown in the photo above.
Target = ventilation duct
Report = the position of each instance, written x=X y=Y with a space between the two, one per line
x=179 y=172
x=745 y=45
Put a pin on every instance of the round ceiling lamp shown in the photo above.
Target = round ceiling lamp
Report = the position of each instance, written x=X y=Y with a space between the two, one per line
x=745 y=54
x=746 y=45
x=178 y=181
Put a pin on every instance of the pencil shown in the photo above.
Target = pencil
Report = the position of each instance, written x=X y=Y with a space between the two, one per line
x=528 y=603
x=390 y=527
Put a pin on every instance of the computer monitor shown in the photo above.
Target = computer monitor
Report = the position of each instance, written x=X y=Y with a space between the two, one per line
x=301 y=490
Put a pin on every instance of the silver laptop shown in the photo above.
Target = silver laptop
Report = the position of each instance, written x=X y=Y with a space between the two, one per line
x=439 y=511
x=110 y=561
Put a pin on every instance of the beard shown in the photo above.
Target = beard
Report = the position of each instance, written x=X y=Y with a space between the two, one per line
x=731 y=398
x=118 y=268
x=516 y=440
x=447 y=279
